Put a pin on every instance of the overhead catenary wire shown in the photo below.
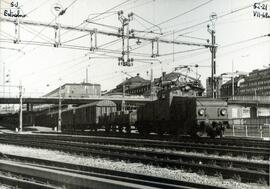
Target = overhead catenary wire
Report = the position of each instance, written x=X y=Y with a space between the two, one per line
x=224 y=54
x=184 y=13
x=45 y=26
x=154 y=25
x=244 y=41
x=116 y=6
x=39 y=36
x=104 y=25
x=7 y=34
x=73 y=39
x=181 y=52
x=111 y=43
x=9 y=48
x=191 y=37
x=125 y=9
x=220 y=16
x=61 y=63
x=100 y=14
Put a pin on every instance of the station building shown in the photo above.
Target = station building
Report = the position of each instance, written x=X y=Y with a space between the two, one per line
x=133 y=86
x=76 y=90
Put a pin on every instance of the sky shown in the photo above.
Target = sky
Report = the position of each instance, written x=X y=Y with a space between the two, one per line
x=41 y=69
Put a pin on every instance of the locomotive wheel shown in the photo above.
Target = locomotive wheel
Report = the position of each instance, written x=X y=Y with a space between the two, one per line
x=143 y=131
x=107 y=128
x=120 y=129
x=199 y=133
x=160 y=132
x=114 y=128
x=128 y=129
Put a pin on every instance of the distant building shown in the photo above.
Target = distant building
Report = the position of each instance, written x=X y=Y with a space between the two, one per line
x=133 y=86
x=256 y=84
x=139 y=86
x=77 y=90
x=220 y=80
x=227 y=88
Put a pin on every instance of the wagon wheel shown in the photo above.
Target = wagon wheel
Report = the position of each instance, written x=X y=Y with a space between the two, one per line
x=221 y=133
x=114 y=128
x=120 y=128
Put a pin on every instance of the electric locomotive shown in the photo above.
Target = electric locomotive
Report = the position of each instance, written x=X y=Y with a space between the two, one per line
x=175 y=114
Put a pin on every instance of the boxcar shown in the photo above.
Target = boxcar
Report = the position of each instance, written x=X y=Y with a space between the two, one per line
x=87 y=116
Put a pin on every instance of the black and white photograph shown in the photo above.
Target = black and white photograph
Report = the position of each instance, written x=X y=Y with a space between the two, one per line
x=135 y=94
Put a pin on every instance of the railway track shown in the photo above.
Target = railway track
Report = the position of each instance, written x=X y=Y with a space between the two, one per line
x=230 y=141
x=262 y=152
x=122 y=179
x=247 y=171
x=17 y=181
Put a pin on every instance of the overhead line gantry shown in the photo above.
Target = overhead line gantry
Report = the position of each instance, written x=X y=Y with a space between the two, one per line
x=123 y=32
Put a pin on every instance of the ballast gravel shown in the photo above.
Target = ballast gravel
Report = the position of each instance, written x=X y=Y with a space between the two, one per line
x=124 y=166
x=237 y=158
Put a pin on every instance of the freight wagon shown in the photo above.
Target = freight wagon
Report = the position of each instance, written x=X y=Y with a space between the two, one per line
x=78 y=118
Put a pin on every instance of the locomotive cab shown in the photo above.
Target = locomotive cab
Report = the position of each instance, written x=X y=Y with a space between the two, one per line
x=179 y=111
x=212 y=116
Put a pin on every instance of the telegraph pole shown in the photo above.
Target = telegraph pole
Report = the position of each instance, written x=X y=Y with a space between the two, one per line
x=151 y=83
x=123 y=101
x=20 y=112
x=4 y=78
x=213 y=50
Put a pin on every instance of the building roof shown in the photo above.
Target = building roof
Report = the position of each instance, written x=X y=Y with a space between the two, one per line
x=236 y=79
x=136 y=79
x=70 y=84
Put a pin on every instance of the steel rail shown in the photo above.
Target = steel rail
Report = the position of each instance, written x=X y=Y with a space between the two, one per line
x=65 y=178
x=232 y=141
x=107 y=173
x=22 y=183
x=250 y=152
x=175 y=161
